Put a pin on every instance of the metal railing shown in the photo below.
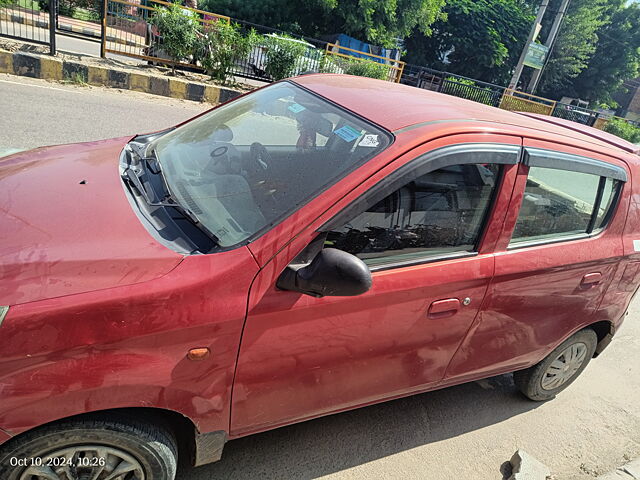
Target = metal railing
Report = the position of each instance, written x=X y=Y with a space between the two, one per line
x=489 y=95
x=524 y=102
x=335 y=53
x=30 y=20
x=126 y=31
x=422 y=77
x=575 y=114
x=256 y=64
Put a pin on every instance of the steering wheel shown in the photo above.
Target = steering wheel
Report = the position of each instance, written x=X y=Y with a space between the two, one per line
x=260 y=158
x=258 y=172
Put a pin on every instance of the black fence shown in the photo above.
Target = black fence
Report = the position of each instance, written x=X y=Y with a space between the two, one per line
x=451 y=84
x=489 y=95
x=423 y=77
x=30 y=20
x=576 y=114
x=255 y=64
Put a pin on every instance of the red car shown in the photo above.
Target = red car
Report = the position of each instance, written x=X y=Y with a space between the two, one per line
x=321 y=244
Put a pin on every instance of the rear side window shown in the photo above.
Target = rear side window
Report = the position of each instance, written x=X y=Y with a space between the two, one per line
x=559 y=203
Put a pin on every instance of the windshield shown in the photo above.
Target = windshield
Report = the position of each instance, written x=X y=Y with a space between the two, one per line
x=246 y=165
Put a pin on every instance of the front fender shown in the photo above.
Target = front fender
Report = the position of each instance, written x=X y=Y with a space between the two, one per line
x=127 y=347
x=42 y=393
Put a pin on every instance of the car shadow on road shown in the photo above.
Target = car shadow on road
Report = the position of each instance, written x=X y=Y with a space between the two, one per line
x=338 y=442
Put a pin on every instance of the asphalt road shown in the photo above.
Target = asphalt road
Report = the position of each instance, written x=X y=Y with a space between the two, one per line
x=35 y=112
x=463 y=432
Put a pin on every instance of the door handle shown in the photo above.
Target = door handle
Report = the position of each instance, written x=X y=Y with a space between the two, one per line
x=444 y=308
x=591 y=279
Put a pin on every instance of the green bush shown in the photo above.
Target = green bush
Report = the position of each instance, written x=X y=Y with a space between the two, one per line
x=463 y=81
x=80 y=9
x=623 y=129
x=220 y=46
x=281 y=56
x=330 y=64
x=178 y=29
x=366 y=68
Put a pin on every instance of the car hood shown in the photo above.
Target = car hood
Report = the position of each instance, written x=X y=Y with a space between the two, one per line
x=66 y=226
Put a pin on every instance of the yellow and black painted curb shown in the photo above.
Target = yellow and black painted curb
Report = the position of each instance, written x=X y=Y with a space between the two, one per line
x=13 y=17
x=51 y=68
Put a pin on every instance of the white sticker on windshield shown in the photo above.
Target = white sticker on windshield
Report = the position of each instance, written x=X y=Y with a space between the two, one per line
x=369 y=140
x=636 y=245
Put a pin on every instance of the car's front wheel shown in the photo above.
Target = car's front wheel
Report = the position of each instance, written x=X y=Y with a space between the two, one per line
x=109 y=448
x=559 y=369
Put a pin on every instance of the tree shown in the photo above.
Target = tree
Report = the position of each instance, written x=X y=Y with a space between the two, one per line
x=623 y=129
x=220 y=45
x=575 y=45
x=616 y=58
x=480 y=39
x=178 y=30
x=380 y=22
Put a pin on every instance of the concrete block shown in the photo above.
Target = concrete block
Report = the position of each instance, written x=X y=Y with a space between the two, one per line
x=118 y=79
x=159 y=86
x=227 y=94
x=212 y=94
x=177 y=88
x=139 y=82
x=97 y=75
x=526 y=467
x=26 y=65
x=6 y=62
x=195 y=92
x=51 y=68
x=75 y=71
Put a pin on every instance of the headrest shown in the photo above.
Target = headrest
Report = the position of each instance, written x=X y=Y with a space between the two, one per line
x=222 y=134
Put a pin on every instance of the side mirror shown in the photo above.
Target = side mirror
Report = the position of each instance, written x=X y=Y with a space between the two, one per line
x=331 y=273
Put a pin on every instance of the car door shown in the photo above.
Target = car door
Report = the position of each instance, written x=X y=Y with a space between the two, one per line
x=559 y=252
x=426 y=228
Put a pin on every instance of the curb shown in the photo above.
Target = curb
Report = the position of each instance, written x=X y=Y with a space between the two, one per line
x=52 y=68
x=13 y=18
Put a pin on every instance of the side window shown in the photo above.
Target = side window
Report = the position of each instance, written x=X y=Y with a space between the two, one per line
x=560 y=203
x=440 y=212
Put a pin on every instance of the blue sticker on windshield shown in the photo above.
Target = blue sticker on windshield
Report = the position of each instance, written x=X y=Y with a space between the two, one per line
x=296 y=108
x=347 y=133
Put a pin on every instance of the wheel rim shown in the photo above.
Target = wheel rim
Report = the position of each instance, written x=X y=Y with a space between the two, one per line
x=564 y=367
x=84 y=462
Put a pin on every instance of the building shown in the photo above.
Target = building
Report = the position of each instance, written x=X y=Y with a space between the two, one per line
x=630 y=101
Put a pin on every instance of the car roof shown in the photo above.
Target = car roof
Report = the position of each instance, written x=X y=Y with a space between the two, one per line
x=396 y=107
x=606 y=137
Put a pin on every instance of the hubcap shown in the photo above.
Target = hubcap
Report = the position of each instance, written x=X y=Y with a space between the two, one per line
x=84 y=462
x=564 y=367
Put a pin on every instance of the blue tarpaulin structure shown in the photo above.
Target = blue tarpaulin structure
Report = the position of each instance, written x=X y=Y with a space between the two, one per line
x=350 y=42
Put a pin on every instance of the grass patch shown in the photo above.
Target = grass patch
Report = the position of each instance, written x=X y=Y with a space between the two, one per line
x=76 y=78
x=87 y=15
x=28 y=4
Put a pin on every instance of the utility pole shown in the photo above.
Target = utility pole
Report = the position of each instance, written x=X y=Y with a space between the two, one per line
x=551 y=40
x=535 y=29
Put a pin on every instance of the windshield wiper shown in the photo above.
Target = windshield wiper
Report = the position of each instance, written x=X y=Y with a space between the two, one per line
x=150 y=166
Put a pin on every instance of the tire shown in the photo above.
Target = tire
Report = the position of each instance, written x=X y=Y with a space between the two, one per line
x=543 y=381
x=120 y=441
